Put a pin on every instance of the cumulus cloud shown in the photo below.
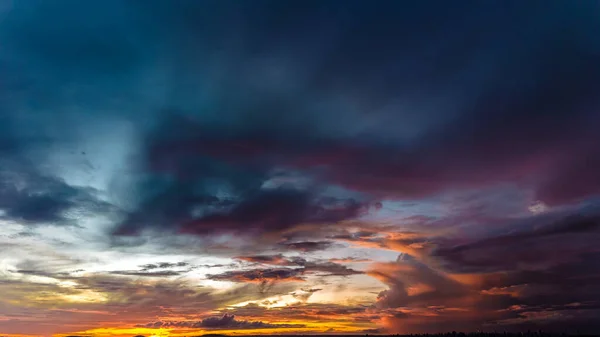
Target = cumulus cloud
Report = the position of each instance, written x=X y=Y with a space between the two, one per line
x=512 y=281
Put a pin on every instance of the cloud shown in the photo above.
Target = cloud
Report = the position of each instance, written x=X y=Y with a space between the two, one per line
x=305 y=294
x=268 y=275
x=349 y=260
x=513 y=279
x=441 y=161
x=307 y=312
x=162 y=269
x=134 y=299
x=440 y=156
x=414 y=283
x=59 y=275
x=277 y=260
x=260 y=211
x=224 y=322
x=260 y=275
x=236 y=143
x=164 y=265
x=556 y=240
x=307 y=246
x=31 y=197
x=278 y=209
x=163 y=273
x=329 y=269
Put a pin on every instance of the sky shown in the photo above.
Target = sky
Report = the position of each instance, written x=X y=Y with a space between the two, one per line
x=177 y=168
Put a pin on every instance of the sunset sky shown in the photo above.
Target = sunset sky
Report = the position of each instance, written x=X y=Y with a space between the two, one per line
x=182 y=167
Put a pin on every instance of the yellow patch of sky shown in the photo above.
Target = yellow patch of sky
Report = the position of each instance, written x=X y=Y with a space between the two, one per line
x=348 y=296
x=178 y=332
x=72 y=293
x=271 y=302
x=81 y=296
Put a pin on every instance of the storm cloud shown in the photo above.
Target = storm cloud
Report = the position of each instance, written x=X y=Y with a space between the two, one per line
x=250 y=148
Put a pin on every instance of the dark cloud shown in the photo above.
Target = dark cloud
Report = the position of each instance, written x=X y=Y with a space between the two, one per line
x=414 y=283
x=60 y=275
x=349 y=260
x=58 y=270
x=307 y=246
x=330 y=102
x=305 y=294
x=264 y=210
x=534 y=273
x=329 y=269
x=269 y=275
x=277 y=260
x=163 y=265
x=372 y=331
x=273 y=210
x=162 y=269
x=260 y=275
x=445 y=159
x=224 y=322
x=554 y=241
x=504 y=130
x=163 y=273
x=204 y=162
x=30 y=197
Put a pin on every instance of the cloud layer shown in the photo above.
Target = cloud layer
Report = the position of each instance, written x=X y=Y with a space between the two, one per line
x=406 y=167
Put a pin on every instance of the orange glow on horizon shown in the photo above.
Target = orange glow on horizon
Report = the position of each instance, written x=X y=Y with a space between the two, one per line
x=340 y=327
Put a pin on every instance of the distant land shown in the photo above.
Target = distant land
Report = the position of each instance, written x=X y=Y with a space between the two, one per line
x=446 y=334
